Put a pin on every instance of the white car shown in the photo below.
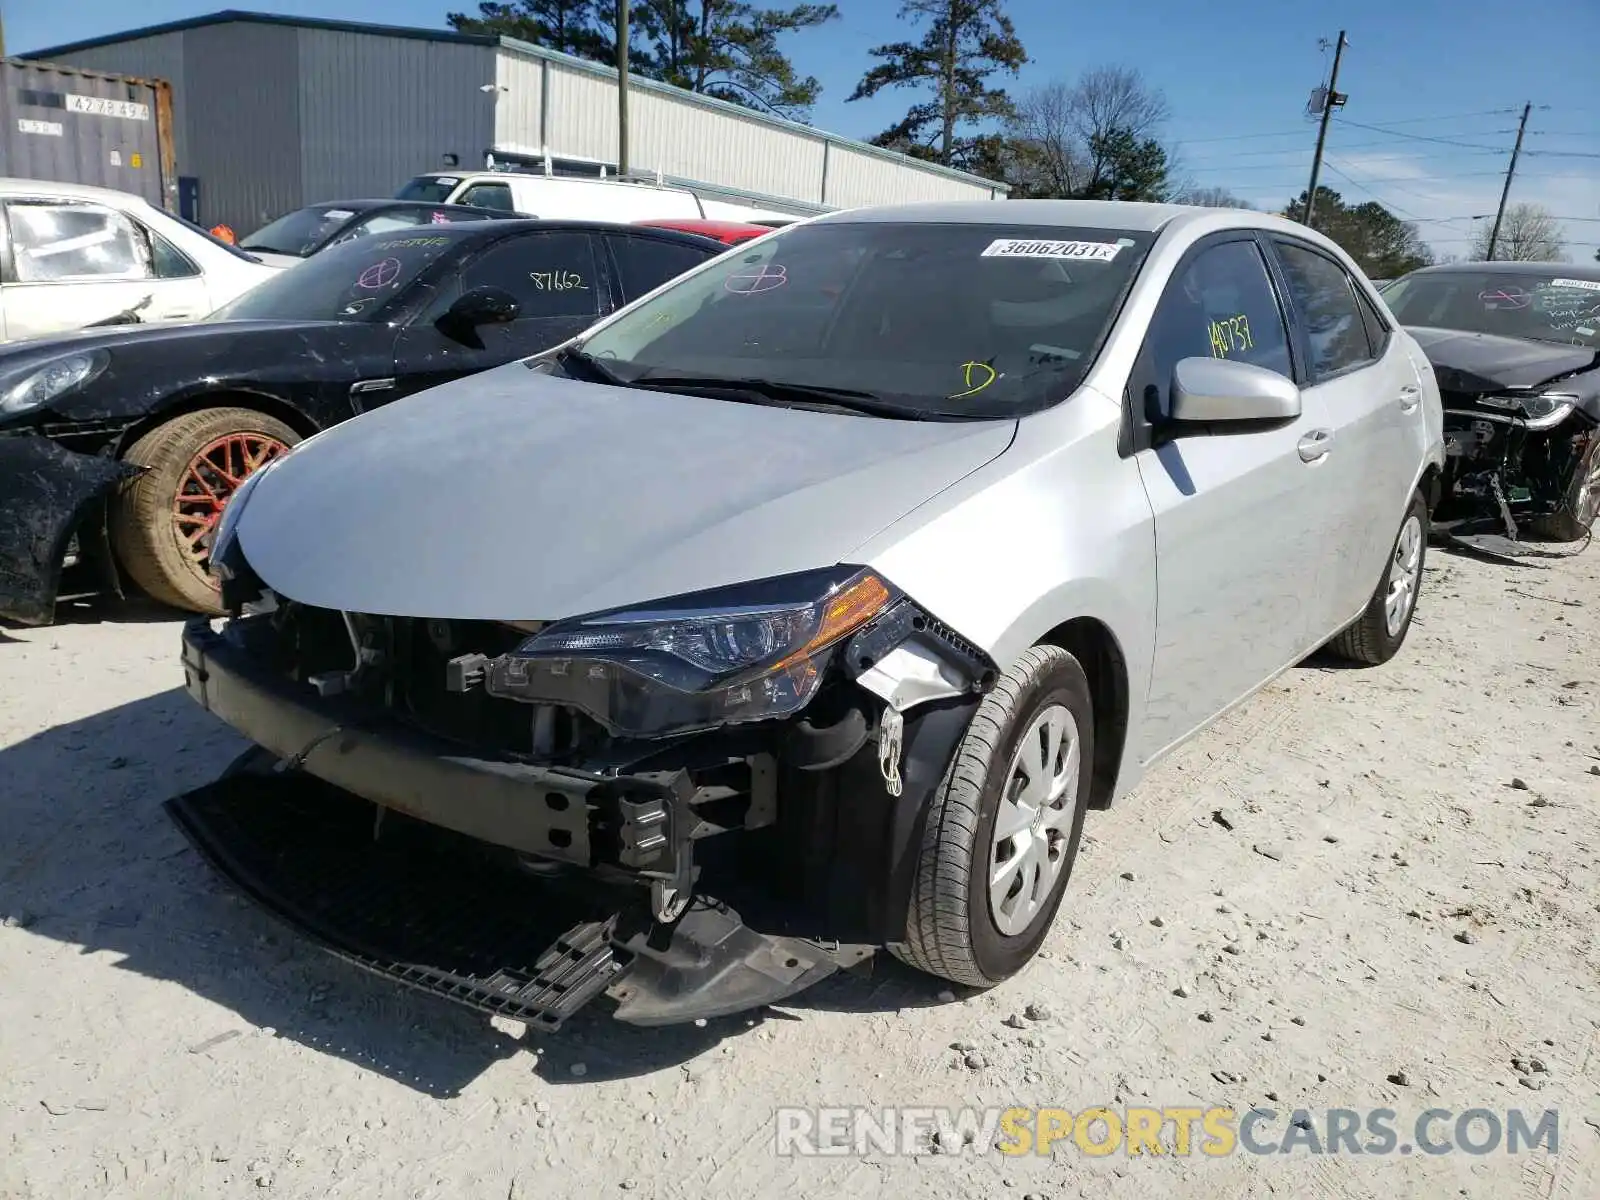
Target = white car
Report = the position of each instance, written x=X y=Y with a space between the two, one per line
x=79 y=255
x=564 y=197
x=830 y=583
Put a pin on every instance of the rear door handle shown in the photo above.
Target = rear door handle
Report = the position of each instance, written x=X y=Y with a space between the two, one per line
x=1410 y=397
x=1315 y=445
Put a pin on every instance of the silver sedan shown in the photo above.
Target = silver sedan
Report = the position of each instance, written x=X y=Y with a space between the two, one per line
x=844 y=574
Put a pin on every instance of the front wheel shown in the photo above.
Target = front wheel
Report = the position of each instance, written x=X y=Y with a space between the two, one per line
x=1581 y=504
x=194 y=463
x=1378 y=633
x=1003 y=829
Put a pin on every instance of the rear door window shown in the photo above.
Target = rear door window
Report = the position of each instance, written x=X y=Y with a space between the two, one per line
x=645 y=263
x=56 y=241
x=1324 y=297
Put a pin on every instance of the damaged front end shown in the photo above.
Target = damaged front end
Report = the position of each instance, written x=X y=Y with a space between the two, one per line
x=1522 y=441
x=52 y=521
x=717 y=798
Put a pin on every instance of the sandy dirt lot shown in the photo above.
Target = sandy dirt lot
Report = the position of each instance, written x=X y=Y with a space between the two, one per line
x=1364 y=889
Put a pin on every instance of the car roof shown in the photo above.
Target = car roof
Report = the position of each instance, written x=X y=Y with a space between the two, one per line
x=1080 y=214
x=499 y=227
x=706 y=225
x=391 y=202
x=1584 y=271
x=80 y=191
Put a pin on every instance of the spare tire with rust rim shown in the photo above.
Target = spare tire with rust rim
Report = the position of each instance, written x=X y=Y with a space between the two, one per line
x=161 y=520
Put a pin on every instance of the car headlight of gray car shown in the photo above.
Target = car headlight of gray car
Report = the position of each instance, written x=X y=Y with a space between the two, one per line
x=751 y=652
x=39 y=383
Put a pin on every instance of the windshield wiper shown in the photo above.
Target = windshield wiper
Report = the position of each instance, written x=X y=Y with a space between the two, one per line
x=785 y=395
x=592 y=367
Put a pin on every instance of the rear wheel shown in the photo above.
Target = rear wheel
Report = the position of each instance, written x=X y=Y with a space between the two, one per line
x=160 y=520
x=1378 y=633
x=1004 y=827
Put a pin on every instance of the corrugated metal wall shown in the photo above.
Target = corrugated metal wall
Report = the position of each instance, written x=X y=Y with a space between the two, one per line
x=58 y=123
x=244 y=118
x=519 y=106
x=856 y=177
x=688 y=138
x=270 y=116
x=375 y=111
x=582 y=121
x=158 y=57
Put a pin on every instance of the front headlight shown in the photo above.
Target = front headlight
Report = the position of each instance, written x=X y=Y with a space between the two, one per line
x=1538 y=412
x=54 y=378
x=751 y=652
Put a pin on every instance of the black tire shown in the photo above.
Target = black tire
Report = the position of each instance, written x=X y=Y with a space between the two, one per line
x=145 y=531
x=1369 y=640
x=1582 y=502
x=951 y=931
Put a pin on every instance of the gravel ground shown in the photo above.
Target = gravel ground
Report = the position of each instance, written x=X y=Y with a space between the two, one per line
x=1363 y=889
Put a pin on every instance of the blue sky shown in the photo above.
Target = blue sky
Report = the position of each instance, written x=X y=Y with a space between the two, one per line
x=1430 y=74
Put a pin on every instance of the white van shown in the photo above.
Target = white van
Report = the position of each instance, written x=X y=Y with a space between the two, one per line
x=563 y=197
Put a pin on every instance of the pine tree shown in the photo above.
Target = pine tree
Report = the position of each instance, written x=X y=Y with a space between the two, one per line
x=966 y=43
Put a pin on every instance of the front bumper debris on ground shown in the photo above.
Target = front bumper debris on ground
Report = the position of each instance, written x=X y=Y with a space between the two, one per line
x=47 y=493
x=481 y=887
x=454 y=917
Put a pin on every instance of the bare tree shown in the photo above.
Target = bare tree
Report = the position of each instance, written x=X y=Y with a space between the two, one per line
x=1068 y=137
x=1109 y=98
x=1528 y=234
x=1209 y=197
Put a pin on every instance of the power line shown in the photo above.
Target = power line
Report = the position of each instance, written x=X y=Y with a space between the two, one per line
x=1357 y=183
x=1564 y=153
x=1418 y=137
x=1486 y=112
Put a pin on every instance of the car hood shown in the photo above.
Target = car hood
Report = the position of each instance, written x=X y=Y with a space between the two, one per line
x=516 y=496
x=166 y=334
x=1477 y=363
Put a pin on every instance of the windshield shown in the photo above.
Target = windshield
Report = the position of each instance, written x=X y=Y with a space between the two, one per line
x=298 y=233
x=435 y=189
x=1545 y=305
x=949 y=320
x=351 y=282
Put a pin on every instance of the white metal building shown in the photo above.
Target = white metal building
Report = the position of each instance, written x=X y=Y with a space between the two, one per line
x=276 y=112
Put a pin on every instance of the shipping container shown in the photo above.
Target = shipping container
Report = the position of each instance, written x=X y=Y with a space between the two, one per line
x=65 y=125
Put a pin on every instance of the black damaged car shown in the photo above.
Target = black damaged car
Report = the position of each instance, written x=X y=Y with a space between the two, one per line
x=120 y=446
x=1515 y=347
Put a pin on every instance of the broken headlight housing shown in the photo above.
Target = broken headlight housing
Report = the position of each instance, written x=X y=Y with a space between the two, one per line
x=752 y=652
x=1538 y=412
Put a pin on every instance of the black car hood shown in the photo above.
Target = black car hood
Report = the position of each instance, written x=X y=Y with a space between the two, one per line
x=1479 y=363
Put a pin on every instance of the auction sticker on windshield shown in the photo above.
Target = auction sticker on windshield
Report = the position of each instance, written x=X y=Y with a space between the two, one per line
x=1588 y=285
x=1076 y=251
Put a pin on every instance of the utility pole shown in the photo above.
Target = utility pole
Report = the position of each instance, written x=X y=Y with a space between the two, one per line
x=1511 y=169
x=622 y=88
x=1330 y=102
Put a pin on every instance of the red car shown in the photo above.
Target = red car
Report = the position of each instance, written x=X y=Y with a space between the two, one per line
x=730 y=233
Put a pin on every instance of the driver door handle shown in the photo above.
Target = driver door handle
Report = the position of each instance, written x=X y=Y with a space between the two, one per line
x=1410 y=397
x=1315 y=445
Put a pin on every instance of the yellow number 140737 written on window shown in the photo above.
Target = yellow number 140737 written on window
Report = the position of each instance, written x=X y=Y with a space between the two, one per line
x=1229 y=335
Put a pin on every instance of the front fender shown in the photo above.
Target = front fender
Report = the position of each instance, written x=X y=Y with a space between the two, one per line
x=46 y=492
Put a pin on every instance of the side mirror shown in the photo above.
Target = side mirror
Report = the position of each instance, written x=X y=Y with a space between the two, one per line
x=1219 y=391
x=483 y=306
